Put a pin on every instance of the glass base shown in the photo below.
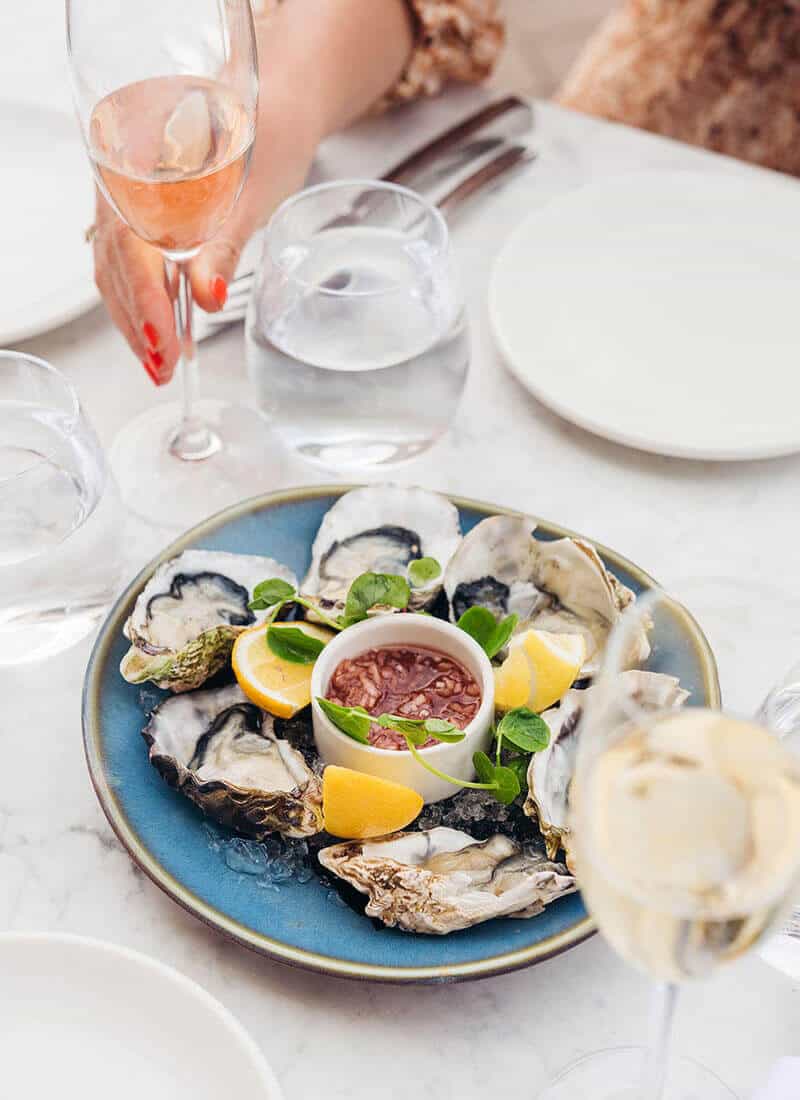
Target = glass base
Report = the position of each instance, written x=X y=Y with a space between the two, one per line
x=614 y=1074
x=177 y=493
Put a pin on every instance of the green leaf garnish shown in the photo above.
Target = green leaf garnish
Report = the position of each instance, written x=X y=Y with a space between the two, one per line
x=491 y=635
x=374 y=590
x=503 y=781
x=519 y=766
x=420 y=730
x=423 y=570
x=508 y=786
x=292 y=644
x=354 y=721
x=524 y=730
x=271 y=592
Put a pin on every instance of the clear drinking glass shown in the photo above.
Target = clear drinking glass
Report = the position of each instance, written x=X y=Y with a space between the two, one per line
x=166 y=93
x=685 y=837
x=357 y=341
x=61 y=526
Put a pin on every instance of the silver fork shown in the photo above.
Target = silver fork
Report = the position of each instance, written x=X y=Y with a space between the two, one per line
x=510 y=158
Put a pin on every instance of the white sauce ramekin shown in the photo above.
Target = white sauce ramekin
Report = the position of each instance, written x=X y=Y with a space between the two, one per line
x=399 y=765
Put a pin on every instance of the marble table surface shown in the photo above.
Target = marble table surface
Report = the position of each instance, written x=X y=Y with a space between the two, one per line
x=61 y=868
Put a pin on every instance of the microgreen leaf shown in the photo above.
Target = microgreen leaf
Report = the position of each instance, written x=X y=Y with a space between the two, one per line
x=292 y=644
x=524 y=730
x=502 y=632
x=423 y=570
x=484 y=768
x=519 y=766
x=354 y=721
x=374 y=590
x=479 y=623
x=490 y=635
x=501 y=780
x=271 y=592
x=421 y=730
x=508 y=786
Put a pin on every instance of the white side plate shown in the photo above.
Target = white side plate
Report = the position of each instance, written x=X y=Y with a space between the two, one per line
x=660 y=310
x=81 y=1018
x=46 y=203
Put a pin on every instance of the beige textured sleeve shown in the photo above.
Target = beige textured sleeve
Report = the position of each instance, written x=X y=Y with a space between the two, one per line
x=455 y=40
x=724 y=74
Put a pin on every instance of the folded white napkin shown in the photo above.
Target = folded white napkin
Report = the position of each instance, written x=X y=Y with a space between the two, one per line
x=783 y=1082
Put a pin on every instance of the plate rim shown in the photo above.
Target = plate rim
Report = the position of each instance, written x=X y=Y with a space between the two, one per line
x=502 y=963
x=597 y=428
x=73 y=304
x=169 y=973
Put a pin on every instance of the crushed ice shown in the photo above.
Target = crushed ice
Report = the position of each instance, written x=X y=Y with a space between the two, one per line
x=271 y=864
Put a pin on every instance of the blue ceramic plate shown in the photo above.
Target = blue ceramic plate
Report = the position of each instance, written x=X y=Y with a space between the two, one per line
x=305 y=922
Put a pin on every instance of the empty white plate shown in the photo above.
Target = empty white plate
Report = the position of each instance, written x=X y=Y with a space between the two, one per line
x=46 y=203
x=84 y=1019
x=660 y=311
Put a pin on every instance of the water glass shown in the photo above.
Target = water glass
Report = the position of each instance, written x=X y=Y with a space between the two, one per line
x=357 y=342
x=60 y=515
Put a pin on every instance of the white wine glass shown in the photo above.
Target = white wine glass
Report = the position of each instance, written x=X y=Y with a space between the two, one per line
x=166 y=93
x=685 y=839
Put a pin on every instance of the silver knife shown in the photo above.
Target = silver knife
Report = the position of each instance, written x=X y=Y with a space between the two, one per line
x=511 y=158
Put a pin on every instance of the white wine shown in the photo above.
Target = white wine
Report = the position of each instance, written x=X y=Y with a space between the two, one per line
x=687 y=839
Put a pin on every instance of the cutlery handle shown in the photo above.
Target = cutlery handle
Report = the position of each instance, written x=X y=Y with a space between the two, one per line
x=514 y=156
x=506 y=118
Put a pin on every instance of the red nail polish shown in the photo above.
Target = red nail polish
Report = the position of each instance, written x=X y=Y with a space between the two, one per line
x=156 y=358
x=151 y=334
x=219 y=289
x=153 y=376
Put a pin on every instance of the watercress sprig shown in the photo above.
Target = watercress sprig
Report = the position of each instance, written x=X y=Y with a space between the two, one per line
x=367 y=591
x=520 y=728
x=491 y=635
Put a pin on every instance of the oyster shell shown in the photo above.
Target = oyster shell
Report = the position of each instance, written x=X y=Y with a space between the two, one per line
x=550 y=771
x=381 y=529
x=562 y=585
x=186 y=618
x=220 y=750
x=441 y=880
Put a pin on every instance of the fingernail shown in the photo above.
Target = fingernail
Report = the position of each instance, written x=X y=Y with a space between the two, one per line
x=153 y=376
x=151 y=334
x=156 y=358
x=219 y=289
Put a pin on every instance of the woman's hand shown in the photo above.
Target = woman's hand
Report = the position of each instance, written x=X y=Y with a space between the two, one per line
x=130 y=274
x=321 y=66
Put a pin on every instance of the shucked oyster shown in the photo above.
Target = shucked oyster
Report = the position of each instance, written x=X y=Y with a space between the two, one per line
x=550 y=771
x=441 y=880
x=186 y=618
x=381 y=529
x=220 y=750
x=562 y=586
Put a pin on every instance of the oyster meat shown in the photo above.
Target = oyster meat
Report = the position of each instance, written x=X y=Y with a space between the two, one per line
x=550 y=771
x=441 y=880
x=185 y=620
x=381 y=529
x=221 y=751
x=561 y=586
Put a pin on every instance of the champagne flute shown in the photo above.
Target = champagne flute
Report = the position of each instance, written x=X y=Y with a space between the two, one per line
x=166 y=93
x=685 y=838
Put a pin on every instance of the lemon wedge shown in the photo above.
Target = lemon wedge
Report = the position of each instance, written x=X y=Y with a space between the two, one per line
x=539 y=670
x=278 y=686
x=356 y=806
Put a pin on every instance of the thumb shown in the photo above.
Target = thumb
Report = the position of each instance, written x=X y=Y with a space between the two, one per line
x=214 y=267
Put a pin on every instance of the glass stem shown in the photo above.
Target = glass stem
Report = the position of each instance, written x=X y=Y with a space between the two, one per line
x=662 y=1013
x=192 y=440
